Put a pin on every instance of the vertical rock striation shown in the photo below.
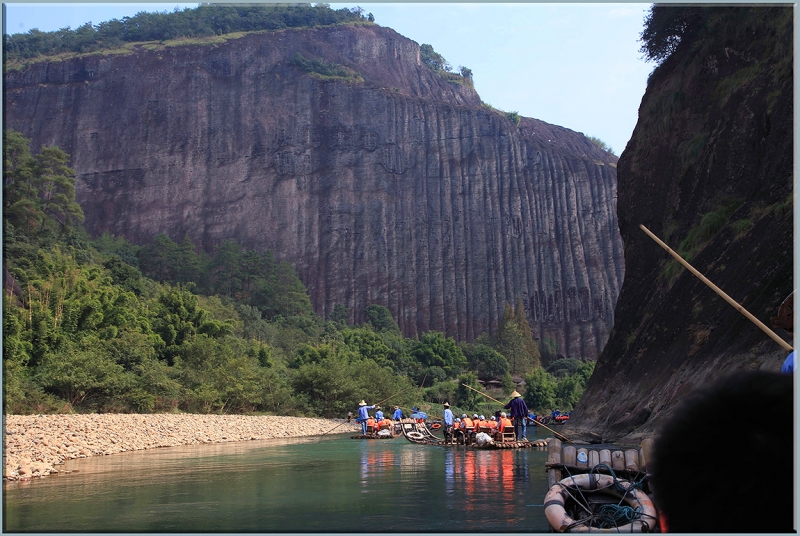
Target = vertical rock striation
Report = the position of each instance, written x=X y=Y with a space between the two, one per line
x=401 y=190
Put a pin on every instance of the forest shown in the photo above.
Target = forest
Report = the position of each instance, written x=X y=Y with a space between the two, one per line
x=206 y=20
x=104 y=325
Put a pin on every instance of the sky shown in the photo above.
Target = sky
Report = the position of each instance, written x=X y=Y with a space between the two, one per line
x=573 y=65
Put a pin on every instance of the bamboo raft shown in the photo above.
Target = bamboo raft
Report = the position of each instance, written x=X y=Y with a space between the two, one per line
x=628 y=462
x=419 y=434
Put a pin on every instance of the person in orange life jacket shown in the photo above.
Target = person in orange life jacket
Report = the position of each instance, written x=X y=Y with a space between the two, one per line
x=468 y=426
x=371 y=423
x=519 y=414
x=363 y=415
x=448 y=423
x=504 y=423
x=492 y=424
x=398 y=413
x=457 y=431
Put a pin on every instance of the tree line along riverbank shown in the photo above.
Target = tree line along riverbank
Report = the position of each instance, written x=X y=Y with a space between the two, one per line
x=35 y=444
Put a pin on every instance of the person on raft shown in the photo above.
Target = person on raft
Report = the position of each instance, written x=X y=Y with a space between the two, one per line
x=519 y=413
x=363 y=415
x=398 y=413
x=378 y=414
x=448 y=423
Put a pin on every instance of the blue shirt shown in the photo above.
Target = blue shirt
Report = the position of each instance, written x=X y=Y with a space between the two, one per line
x=379 y=415
x=788 y=365
x=362 y=413
x=398 y=414
x=448 y=417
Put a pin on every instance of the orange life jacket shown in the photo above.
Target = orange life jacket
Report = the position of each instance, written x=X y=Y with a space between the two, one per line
x=467 y=423
x=505 y=421
x=371 y=422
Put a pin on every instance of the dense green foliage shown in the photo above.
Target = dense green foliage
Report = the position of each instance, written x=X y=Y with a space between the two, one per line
x=202 y=21
x=325 y=69
x=106 y=325
x=562 y=391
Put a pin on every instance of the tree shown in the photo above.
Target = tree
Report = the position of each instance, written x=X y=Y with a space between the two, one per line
x=38 y=190
x=539 y=390
x=437 y=351
x=666 y=26
x=433 y=59
x=467 y=398
x=380 y=318
x=527 y=334
x=340 y=314
x=487 y=363
x=515 y=341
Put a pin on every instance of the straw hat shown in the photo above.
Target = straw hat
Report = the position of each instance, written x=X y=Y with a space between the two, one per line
x=446 y=404
x=515 y=394
x=362 y=403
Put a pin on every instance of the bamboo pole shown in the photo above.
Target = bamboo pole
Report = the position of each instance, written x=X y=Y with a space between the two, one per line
x=785 y=345
x=394 y=395
x=335 y=427
x=537 y=423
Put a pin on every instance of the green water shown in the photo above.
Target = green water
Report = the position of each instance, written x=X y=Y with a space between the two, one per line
x=330 y=484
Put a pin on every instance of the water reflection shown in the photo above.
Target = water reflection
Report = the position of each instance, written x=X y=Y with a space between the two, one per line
x=274 y=486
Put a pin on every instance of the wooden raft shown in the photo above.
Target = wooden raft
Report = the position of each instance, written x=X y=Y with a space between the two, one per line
x=627 y=462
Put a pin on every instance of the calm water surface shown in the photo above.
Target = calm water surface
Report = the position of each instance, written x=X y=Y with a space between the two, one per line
x=324 y=484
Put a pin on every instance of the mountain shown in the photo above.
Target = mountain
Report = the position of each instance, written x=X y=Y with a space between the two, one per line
x=379 y=179
x=709 y=169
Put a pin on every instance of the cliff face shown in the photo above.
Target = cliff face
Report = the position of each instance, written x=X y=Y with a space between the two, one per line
x=400 y=190
x=714 y=137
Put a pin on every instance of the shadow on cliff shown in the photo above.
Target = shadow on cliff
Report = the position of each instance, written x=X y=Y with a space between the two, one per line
x=709 y=169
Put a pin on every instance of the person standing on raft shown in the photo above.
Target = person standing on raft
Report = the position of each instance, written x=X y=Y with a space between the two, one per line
x=363 y=415
x=448 y=423
x=398 y=414
x=519 y=411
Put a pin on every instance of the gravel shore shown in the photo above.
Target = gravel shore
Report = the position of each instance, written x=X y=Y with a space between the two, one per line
x=35 y=444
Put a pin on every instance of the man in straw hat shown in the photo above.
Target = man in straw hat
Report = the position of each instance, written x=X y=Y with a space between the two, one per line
x=448 y=423
x=519 y=410
x=398 y=413
x=363 y=415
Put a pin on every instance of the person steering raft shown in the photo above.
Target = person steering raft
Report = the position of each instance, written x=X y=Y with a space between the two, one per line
x=363 y=415
x=449 y=422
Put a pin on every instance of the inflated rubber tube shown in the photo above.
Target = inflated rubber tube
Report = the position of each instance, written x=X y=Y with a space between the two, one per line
x=415 y=435
x=556 y=498
x=435 y=426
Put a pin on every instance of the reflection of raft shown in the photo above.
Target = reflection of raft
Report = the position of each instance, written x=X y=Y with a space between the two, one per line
x=371 y=436
x=589 y=494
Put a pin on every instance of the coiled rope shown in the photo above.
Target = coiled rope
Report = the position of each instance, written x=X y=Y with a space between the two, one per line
x=611 y=515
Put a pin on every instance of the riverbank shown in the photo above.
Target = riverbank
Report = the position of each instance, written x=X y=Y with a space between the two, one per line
x=35 y=444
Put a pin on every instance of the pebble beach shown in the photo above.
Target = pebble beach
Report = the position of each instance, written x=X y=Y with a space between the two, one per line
x=35 y=445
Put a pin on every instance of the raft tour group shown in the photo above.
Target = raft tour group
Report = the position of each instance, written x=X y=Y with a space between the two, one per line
x=609 y=485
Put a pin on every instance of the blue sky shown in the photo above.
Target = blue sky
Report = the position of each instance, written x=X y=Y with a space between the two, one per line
x=573 y=65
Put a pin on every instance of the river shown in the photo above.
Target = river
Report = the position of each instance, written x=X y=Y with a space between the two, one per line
x=322 y=484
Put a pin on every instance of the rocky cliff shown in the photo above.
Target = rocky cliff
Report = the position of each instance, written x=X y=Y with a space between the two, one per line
x=395 y=187
x=709 y=169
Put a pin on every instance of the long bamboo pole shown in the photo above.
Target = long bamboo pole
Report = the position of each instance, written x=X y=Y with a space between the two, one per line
x=537 y=423
x=394 y=395
x=785 y=345
x=335 y=427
